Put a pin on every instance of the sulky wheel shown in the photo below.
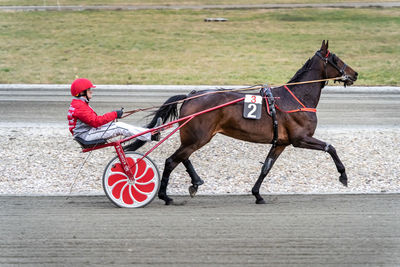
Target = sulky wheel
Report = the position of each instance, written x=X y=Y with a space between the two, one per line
x=131 y=194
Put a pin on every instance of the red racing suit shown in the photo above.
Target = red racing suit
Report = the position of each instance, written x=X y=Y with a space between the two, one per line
x=81 y=117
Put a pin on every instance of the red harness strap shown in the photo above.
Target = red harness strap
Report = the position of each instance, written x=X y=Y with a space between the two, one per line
x=304 y=108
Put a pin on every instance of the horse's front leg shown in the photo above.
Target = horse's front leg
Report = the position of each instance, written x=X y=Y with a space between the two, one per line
x=313 y=143
x=269 y=162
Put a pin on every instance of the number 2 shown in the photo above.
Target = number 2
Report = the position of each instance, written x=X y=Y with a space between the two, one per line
x=253 y=108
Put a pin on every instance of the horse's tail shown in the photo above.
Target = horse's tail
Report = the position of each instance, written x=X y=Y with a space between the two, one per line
x=168 y=111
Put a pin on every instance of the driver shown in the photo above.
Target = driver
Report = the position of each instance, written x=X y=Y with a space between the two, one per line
x=86 y=124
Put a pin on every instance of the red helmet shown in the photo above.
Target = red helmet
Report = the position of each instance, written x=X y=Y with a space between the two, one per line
x=80 y=85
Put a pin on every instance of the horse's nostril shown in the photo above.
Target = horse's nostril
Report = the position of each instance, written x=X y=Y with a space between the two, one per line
x=356 y=74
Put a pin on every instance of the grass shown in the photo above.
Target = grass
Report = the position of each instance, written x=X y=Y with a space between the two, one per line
x=165 y=2
x=177 y=47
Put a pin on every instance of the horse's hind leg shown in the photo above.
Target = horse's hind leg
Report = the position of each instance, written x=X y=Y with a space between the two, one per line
x=196 y=180
x=181 y=155
x=313 y=143
x=269 y=162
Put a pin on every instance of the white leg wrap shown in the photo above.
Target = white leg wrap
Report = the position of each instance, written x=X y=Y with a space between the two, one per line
x=327 y=147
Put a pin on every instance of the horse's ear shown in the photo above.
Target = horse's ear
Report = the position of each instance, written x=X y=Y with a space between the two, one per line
x=324 y=47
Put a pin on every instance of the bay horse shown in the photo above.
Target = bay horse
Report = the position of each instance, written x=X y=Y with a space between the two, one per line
x=295 y=114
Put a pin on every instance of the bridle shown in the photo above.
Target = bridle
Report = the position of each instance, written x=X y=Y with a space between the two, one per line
x=330 y=58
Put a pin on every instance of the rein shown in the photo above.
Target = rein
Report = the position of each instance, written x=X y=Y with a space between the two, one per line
x=130 y=112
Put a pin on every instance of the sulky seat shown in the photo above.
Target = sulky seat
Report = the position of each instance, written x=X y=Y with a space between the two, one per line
x=89 y=144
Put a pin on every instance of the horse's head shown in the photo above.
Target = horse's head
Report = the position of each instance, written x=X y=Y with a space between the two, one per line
x=335 y=67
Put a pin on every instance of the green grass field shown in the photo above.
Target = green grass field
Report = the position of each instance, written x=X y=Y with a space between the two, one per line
x=178 y=47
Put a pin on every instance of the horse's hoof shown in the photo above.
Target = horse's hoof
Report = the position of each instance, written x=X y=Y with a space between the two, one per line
x=193 y=190
x=343 y=179
x=168 y=201
x=260 y=201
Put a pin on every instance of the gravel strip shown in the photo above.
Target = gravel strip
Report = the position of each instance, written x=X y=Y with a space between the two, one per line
x=44 y=160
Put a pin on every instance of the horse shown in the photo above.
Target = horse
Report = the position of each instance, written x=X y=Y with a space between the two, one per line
x=295 y=116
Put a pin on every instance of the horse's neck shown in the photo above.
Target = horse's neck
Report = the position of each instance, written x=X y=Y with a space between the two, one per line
x=310 y=93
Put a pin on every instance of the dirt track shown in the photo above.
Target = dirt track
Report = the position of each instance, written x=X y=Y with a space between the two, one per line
x=301 y=230
x=294 y=230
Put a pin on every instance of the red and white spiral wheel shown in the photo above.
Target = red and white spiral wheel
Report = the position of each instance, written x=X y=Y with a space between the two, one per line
x=134 y=193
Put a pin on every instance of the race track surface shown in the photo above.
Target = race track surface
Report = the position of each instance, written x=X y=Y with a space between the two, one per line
x=293 y=230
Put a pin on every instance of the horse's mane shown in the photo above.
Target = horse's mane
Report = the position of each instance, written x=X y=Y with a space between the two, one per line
x=301 y=71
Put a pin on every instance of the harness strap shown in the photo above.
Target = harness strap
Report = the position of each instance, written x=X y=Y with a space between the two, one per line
x=295 y=97
x=270 y=102
x=327 y=54
x=297 y=110
x=304 y=108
